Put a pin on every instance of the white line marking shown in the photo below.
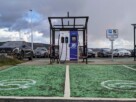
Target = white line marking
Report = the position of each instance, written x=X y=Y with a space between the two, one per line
x=71 y=98
x=129 y=67
x=7 y=69
x=67 y=83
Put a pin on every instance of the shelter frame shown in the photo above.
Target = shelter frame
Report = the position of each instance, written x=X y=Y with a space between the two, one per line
x=134 y=25
x=67 y=27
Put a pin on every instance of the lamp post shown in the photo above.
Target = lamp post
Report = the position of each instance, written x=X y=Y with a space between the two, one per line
x=31 y=30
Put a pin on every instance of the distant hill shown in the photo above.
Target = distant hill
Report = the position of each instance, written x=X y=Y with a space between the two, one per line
x=35 y=44
x=1 y=43
x=39 y=45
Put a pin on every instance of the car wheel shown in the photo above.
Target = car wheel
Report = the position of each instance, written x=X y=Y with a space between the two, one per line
x=128 y=55
x=21 y=55
x=31 y=57
x=46 y=55
x=102 y=55
x=118 y=55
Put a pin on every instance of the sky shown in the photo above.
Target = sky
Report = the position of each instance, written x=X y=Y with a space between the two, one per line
x=16 y=17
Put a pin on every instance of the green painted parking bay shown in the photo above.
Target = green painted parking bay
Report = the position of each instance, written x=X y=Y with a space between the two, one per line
x=93 y=81
x=45 y=81
x=103 y=81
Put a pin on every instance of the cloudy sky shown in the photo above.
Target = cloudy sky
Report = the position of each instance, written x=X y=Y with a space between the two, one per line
x=15 y=19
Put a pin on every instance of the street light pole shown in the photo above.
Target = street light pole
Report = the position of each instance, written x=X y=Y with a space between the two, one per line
x=31 y=30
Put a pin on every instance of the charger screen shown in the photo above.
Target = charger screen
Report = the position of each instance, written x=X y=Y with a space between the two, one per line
x=74 y=39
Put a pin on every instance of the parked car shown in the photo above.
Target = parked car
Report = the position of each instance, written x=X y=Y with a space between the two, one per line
x=56 y=52
x=41 y=52
x=18 y=49
x=121 y=53
x=105 y=52
x=132 y=53
x=90 y=53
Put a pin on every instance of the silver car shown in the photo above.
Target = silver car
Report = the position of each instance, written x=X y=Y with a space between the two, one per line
x=41 y=52
x=121 y=53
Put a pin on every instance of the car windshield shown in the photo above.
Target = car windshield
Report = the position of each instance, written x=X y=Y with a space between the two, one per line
x=108 y=50
x=90 y=50
x=56 y=50
x=122 y=50
x=41 y=48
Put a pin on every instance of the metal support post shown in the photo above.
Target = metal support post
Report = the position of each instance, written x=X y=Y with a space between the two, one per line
x=31 y=31
x=112 y=49
x=134 y=44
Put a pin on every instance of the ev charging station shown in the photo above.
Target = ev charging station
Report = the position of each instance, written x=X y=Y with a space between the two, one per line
x=68 y=46
x=68 y=38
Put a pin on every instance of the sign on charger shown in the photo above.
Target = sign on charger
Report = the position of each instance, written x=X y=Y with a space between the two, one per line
x=73 y=46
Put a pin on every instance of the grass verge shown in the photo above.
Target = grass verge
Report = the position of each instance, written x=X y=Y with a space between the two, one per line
x=86 y=81
x=9 y=61
x=49 y=80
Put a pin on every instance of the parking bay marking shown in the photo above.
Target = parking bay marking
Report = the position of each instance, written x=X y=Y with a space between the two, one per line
x=129 y=67
x=67 y=83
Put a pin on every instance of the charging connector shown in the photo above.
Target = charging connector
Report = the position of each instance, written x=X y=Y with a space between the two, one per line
x=62 y=39
x=66 y=39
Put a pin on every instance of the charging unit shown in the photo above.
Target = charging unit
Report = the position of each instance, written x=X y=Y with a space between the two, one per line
x=64 y=46
x=68 y=46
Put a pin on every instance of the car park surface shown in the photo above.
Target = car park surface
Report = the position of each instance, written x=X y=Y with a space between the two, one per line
x=81 y=76
x=39 y=63
x=91 y=81
x=32 y=81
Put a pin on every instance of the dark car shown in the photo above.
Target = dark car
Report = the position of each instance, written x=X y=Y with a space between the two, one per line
x=17 y=49
x=90 y=53
x=132 y=53
x=105 y=52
